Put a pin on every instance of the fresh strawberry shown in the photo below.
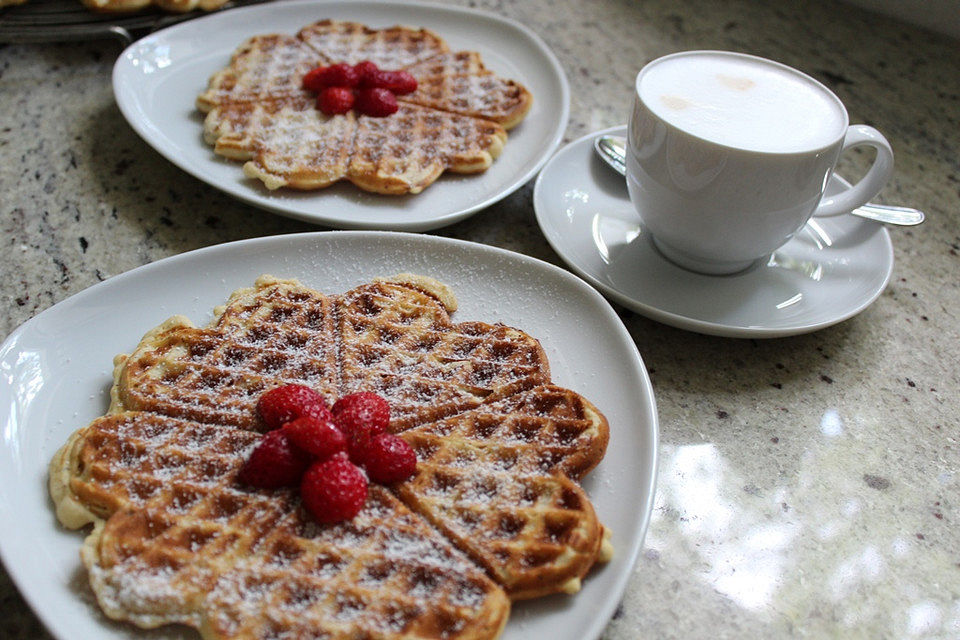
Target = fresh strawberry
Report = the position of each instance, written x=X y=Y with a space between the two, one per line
x=361 y=416
x=336 y=75
x=334 y=489
x=374 y=79
x=399 y=82
x=334 y=100
x=275 y=462
x=289 y=402
x=388 y=459
x=357 y=445
x=376 y=102
x=367 y=73
x=311 y=80
x=361 y=411
x=320 y=438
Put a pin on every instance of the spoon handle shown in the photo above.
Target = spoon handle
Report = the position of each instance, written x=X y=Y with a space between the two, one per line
x=904 y=216
x=613 y=150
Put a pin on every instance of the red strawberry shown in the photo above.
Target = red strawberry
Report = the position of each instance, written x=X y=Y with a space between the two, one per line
x=333 y=490
x=336 y=75
x=374 y=79
x=399 y=82
x=320 y=438
x=311 y=80
x=376 y=102
x=389 y=459
x=283 y=404
x=367 y=73
x=362 y=411
x=275 y=462
x=357 y=445
x=334 y=100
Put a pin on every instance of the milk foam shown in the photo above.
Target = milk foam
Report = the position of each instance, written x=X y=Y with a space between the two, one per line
x=742 y=102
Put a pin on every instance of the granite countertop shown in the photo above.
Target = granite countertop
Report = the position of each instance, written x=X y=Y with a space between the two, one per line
x=808 y=486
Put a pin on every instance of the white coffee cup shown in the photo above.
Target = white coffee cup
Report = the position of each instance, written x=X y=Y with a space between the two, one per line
x=728 y=156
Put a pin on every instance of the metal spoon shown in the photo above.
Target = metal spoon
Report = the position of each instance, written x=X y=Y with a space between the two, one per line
x=613 y=151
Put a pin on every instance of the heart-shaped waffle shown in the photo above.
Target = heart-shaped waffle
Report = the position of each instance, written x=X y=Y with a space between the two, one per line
x=258 y=112
x=493 y=513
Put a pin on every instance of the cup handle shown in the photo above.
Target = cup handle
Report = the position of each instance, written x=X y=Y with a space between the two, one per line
x=870 y=184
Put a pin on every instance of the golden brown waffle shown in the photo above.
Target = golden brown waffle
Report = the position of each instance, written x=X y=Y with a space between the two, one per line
x=275 y=334
x=492 y=479
x=496 y=480
x=567 y=432
x=263 y=68
x=179 y=540
x=499 y=451
x=287 y=142
x=458 y=82
x=259 y=113
x=407 y=152
x=399 y=341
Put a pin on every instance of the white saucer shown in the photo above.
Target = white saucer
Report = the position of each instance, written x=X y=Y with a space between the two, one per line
x=830 y=271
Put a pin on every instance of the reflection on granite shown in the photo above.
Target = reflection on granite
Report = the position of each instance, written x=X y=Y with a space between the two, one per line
x=808 y=485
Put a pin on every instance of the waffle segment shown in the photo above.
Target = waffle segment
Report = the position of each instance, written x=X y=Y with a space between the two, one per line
x=407 y=152
x=276 y=333
x=531 y=528
x=352 y=42
x=298 y=147
x=400 y=342
x=459 y=82
x=496 y=479
x=264 y=67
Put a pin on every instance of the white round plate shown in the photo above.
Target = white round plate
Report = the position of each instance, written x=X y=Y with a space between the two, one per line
x=57 y=374
x=831 y=270
x=157 y=79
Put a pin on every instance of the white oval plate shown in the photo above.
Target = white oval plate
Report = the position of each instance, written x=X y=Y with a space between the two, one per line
x=157 y=79
x=830 y=271
x=57 y=367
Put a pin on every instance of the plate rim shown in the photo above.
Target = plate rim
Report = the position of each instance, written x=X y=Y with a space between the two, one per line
x=603 y=613
x=125 y=98
x=677 y=320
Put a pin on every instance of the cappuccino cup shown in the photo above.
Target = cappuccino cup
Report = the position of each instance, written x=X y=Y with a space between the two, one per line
x=729 y=155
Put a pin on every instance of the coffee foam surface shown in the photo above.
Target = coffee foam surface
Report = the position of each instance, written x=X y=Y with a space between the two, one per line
x=742 y=102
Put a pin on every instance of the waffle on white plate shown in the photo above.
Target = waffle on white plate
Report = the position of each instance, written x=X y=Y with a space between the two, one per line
x=457 y=119
x=494 y=512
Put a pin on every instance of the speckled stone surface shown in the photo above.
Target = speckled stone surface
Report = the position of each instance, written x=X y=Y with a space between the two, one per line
x=808 y=486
